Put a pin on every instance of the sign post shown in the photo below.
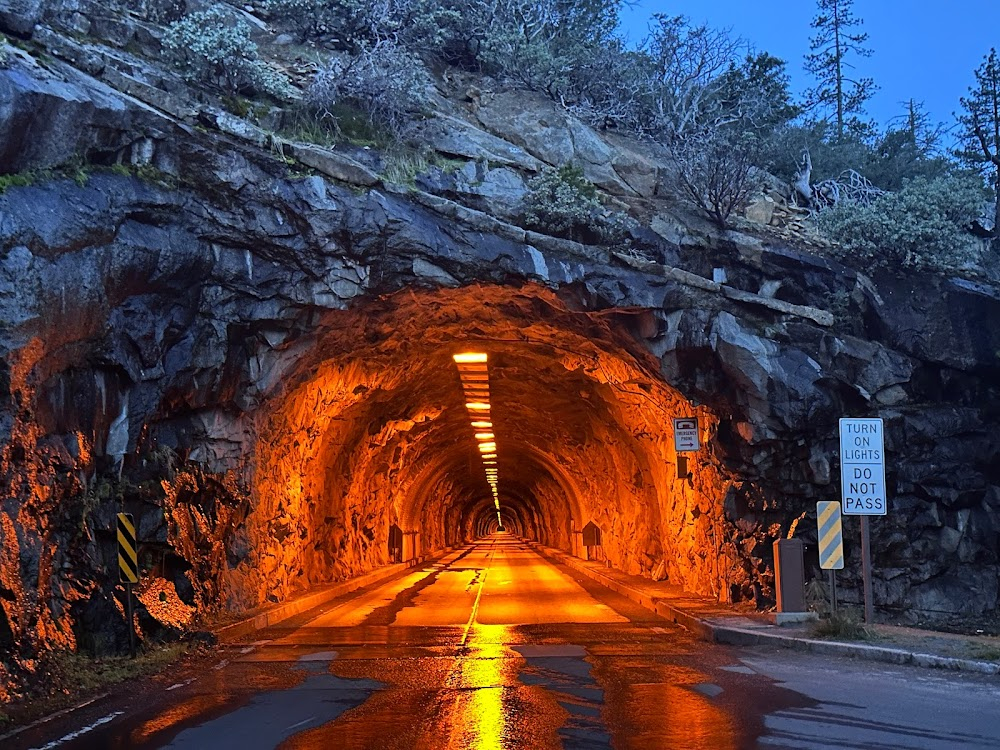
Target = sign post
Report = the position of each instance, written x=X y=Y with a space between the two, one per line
x=830 y=535
x=128 y=570
x=862 y=482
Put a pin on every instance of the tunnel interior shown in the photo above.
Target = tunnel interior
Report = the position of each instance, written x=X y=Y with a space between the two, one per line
x=364 y=453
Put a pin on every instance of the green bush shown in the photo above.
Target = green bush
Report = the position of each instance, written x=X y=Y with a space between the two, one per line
x=562 y=202
x=385 y=82
x=207 y=46
x=922 y=226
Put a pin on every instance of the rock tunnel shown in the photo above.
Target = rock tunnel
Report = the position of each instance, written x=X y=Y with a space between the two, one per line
x=367 y=436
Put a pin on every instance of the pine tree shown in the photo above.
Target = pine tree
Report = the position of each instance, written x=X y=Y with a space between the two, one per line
x=834 y=41
x=980 y=129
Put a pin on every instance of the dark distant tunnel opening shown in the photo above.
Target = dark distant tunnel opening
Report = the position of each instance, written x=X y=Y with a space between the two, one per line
x=369 y=432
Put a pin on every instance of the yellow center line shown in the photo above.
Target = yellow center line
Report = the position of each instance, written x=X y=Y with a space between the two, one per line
x=479 y=595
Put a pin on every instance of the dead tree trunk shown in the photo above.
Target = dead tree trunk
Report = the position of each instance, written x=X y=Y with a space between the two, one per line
x=801 y=188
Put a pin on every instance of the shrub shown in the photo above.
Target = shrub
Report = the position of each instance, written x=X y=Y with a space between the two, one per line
x=922 y=226
x=352 y=25
x=385 y=82
x=540 y=44
x=208 y=46
x=716 y=172
x=844 y=625
x=347 y=22
x=564 y=203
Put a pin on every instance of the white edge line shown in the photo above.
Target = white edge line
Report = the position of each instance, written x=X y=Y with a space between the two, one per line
x=50 y=717
x=81 y=732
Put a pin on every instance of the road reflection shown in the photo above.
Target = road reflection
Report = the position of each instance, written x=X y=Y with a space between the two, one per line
x=666 y=705
x=480 y=718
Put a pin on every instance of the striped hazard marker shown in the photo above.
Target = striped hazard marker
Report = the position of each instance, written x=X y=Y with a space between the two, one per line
x=831 y=535
x=128 y=558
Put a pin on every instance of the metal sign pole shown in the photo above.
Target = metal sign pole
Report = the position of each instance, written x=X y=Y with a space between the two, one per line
x=833 y=592
x=866 y=569
x=129 y=614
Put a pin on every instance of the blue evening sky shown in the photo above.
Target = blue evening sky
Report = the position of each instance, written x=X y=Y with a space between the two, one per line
x=922 y=50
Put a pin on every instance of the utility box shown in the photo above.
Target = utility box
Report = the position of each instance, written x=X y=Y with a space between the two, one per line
x=790 y=575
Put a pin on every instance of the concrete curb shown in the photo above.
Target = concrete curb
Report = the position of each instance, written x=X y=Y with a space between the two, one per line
x=705 y=629
x=308 y=601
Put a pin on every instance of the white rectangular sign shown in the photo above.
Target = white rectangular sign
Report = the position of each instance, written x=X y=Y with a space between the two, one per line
x=686 y=434
x=862 y=467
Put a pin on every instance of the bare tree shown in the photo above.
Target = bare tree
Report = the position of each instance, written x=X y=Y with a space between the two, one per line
x=716 y=171
x=686 y=76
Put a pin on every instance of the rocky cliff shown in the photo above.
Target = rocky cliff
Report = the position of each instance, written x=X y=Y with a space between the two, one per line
x=245 y=340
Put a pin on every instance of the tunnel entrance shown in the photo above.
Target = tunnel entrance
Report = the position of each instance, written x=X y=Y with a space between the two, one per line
x=366 y=436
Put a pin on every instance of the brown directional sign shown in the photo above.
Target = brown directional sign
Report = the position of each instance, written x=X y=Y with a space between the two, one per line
x=128 y=558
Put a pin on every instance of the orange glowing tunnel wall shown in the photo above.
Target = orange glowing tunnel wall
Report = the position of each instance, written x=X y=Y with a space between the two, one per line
x=367 y=429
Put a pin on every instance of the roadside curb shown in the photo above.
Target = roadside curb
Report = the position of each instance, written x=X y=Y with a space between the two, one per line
x=708 y=630
x=308 y=601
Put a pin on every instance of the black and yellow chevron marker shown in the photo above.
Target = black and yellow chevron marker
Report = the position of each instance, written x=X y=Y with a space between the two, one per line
x=128 y=559
x=830 y=534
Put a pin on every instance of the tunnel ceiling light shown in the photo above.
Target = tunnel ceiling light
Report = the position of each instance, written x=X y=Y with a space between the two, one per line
x=474 y=375
x=469 y=357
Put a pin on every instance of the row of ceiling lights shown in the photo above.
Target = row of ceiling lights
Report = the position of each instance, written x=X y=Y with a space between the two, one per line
x=473 y=370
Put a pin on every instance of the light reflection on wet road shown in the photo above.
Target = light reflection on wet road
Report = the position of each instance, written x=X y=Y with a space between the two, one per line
x=493 y=649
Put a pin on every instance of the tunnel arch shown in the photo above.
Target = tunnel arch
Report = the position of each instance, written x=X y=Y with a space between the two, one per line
x=365 y=427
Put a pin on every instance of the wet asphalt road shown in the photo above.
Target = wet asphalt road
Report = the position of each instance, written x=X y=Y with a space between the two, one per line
x=502 y=649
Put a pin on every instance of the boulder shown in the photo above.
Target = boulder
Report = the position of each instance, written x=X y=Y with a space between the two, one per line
x=455 y=137
x=760 y=210
x=18 y=17
x=551 y=134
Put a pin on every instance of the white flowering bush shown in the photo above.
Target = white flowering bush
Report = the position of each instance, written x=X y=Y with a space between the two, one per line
x=208 y=46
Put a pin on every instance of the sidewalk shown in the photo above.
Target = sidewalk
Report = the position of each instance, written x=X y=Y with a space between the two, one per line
x=715 y=622
x=318 y=596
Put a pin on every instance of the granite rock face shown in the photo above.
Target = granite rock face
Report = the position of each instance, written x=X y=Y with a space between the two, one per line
x=254 y=358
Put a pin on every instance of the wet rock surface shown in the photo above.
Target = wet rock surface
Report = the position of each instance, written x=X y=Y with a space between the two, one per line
x=253 y=358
